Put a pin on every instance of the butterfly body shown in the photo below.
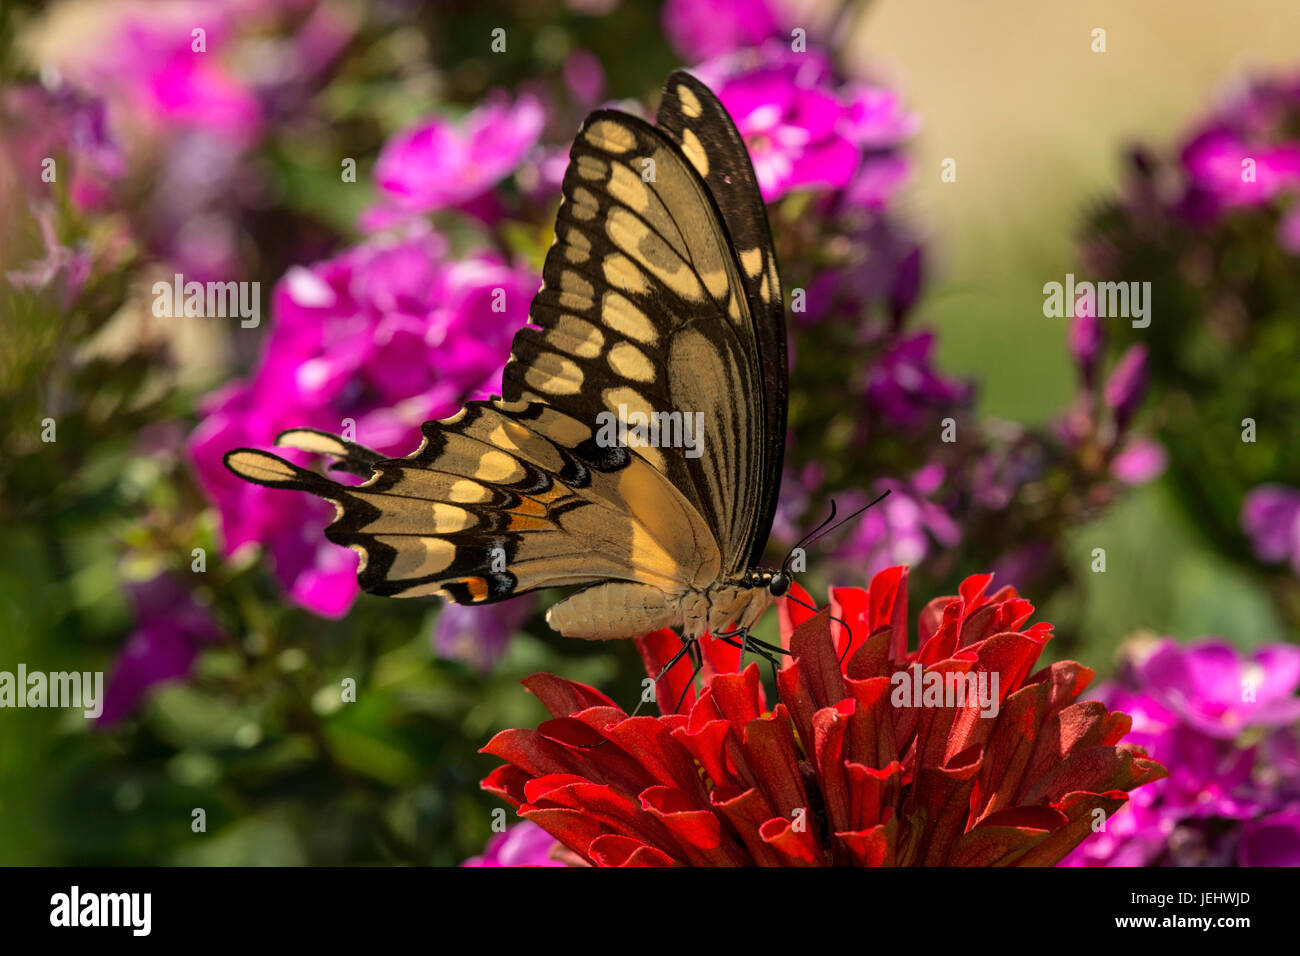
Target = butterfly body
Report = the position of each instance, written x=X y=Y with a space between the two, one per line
x=660 y=306
x=623 y=609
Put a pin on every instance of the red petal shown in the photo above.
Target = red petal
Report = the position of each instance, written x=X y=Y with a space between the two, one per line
x=973 y=588
x=889 y=608
x=574 y=829
x=851 y=606
x=506 y=782
x=715 y=747
x=649 y=741
x=615 y=850
x=931 y=617
x=873 y=794
x=872 y=847
x=819 y=668
x=944 y=796
x=871 y=728
x=770 y=749
x=617 y=811
x=747 y=811
x=564 y=697
x=1005 y=838
x=698 y=832
x=829 y=727
x=795 y=847
x=943 y=642
x=739 y=697
x=1094 y=770
x=872 y=659
x=1079 y=809
x=1009 y=749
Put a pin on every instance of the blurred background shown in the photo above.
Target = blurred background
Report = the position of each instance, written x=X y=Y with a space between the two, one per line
x=382 y=169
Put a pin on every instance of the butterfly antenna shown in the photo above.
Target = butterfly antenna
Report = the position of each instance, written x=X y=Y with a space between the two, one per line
x=809 y=536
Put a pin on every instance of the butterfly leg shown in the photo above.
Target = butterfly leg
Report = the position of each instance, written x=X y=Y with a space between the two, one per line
x=687 y=644
x=693 y=644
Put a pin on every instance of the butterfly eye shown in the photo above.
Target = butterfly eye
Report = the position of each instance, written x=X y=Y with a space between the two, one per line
x=779 y=584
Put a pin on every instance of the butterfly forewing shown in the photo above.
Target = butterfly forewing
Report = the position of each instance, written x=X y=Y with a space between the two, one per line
x=643 y=312
x=692 y=116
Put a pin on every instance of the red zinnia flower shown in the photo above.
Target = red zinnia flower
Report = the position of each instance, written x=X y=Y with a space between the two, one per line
x=836 y=773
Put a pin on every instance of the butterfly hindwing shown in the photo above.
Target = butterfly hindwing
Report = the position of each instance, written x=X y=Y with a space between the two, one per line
x=499 y=501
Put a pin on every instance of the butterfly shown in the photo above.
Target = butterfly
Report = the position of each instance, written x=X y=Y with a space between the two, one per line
x=636 y=450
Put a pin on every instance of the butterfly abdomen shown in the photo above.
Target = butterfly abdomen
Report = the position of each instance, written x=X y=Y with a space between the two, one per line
x=614 y=610
x=623 y=609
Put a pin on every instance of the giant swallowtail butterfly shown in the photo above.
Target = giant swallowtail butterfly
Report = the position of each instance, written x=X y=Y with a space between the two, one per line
x=661 y=307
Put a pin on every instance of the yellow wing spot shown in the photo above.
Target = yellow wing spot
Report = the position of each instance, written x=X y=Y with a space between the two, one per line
x=630 y=362
x=716 y=282
x=585 y=205
x=464 y=491
x=624 y=317
x=690 y=102
x=554 y=375
x=498 y=466
x=575 y=291
x=629 y=398
x=454 y=418
x=363 y=554
x=511 y=408
x=695 y=152
x=610 y=136
x=752 y=260
x=577 y=247
x=591 y=167
x=576 y=336
x=628 y=188
x=448 y=519
x=765 y=290
x=260 y=466
x=659 y=258
x=419 y=558
x=733 y=307
x=622 y=272
x=562 y=430
x=305 y=440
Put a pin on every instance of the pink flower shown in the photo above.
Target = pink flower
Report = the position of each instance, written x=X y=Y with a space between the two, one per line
x=805 y=131
x=479 y=635
x=700 y=29
x=524 y=844
x=1270 y=515
x=171 y=629
x=437 y=163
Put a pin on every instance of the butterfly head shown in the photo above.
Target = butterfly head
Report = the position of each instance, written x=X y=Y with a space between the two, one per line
x=779 y=583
